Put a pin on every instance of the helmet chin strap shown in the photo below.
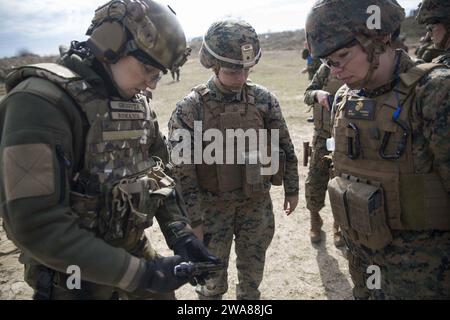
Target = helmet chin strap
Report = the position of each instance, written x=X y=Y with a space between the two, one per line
x=373 y=49
x=122 y=94
x=225 y=89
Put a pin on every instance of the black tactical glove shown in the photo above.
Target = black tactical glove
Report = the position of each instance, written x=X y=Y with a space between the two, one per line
x=194 y=250
x=160 y=277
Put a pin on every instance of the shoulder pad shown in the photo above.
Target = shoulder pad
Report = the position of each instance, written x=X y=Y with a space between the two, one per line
x=51 y=71
x=413 y=75
x=202 y=89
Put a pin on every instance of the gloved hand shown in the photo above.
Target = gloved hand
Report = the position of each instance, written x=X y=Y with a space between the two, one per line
x=194 y=250
x=160 y=277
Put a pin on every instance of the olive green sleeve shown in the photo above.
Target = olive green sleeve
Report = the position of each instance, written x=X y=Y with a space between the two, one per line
x=36 y=156
x=159 y=147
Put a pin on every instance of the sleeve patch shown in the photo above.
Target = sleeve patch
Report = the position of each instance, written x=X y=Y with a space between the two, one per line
x=28 y=170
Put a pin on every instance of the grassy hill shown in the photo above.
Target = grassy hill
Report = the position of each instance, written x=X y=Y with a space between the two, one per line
x=277 y=41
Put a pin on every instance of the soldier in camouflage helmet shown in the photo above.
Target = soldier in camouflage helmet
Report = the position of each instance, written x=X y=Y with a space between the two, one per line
x=318 y=95
x=226 y=200
x=391 y=188
x=85 y=175
x=312 y=64
x=427 y=51
x=436 y=15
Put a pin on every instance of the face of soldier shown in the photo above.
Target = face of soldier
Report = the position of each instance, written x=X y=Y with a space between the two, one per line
x=233 y=79
x=438 y=32
x=132 y=76
x=349 y=65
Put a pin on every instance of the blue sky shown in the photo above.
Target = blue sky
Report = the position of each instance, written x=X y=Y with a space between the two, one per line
x=41 y=26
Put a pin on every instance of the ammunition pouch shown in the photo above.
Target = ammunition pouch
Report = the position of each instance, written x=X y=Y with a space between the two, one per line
x=358 y=207
x=322 y=118
x=252 y=183
x=121 y=215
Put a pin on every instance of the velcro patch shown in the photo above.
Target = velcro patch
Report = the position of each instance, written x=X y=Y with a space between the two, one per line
x=360 y=109
x=29 y=171
x=127 y=115
x=128 y=106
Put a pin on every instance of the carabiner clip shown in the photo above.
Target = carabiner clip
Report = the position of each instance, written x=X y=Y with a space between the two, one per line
x=353 y=153
x=401 y=146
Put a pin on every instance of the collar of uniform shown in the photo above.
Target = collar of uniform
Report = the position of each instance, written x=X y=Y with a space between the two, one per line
x=219 y=95
x=405 y=64
x=89 y=69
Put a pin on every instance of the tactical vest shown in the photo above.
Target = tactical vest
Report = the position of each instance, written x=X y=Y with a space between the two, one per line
x=375 y=189
x=322 y=117
x=109 y=192
x=218 y=178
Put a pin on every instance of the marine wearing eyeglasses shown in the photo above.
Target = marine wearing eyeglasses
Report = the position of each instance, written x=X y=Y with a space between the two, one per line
x=391 y=188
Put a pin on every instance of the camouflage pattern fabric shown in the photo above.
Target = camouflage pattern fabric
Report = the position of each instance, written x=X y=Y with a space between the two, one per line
x=428 y=52
x=151 y=25
x=189 y=110
x=251 y=222
x=318 y=175
x=226 y=38
x=432 y=10
x=444 y=59
x=332 y=24
x=415 y=264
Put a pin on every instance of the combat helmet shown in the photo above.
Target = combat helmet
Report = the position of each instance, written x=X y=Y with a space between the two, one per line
x=144 y=28
x=230 y=44
x=333 y=24
x=434 y=11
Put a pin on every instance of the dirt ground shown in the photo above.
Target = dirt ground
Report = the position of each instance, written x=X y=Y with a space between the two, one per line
x=295 y=269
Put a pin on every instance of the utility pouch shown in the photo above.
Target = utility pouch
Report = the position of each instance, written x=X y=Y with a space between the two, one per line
x=367 y=215
x=253 y=180
x=337 y=189
x=86 y=207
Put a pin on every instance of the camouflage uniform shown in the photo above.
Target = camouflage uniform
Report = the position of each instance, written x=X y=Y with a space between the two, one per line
x=84 y=176
x=224 y=214
x=312 y=63
x=390 y=196
x=318 y=174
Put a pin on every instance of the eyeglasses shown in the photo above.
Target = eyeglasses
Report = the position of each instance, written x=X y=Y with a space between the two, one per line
x=151 y=70
x=343 y=57
x=339 y=62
